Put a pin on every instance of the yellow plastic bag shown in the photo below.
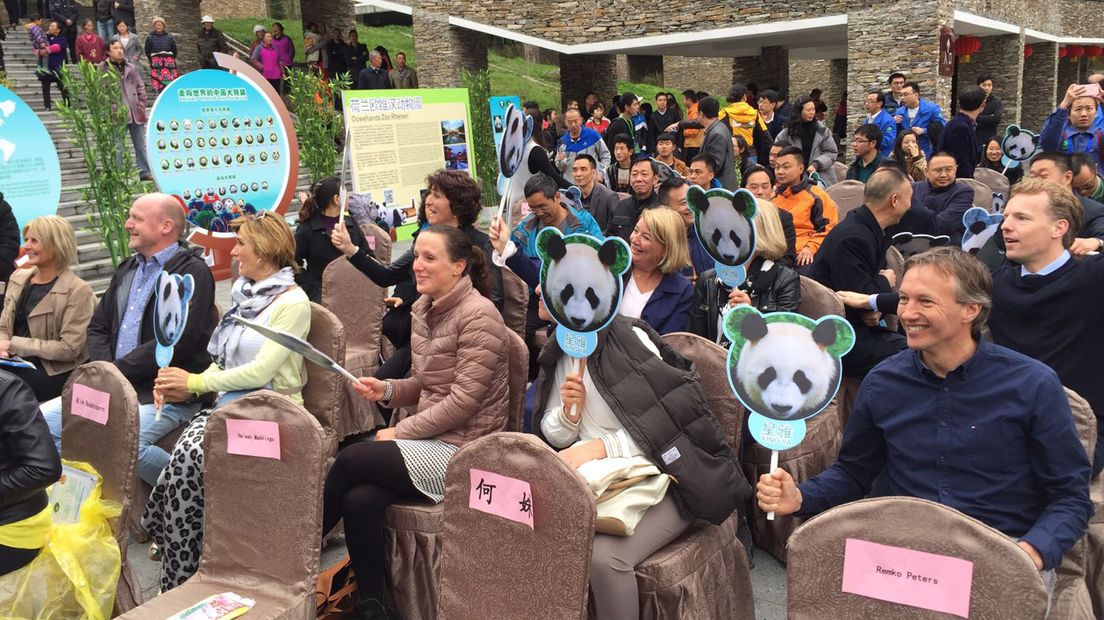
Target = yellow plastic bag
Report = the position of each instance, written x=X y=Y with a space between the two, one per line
x=76 y=574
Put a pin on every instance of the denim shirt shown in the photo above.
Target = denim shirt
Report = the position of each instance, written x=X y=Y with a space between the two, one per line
x=145 y=278
x=995 y=440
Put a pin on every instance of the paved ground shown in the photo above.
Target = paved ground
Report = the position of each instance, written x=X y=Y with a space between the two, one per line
x=768 y=577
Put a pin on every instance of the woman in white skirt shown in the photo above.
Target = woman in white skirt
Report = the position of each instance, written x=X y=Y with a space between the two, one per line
x=459 y=383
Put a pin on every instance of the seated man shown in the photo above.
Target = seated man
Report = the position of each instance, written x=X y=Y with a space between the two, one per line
x=853 y=261
x=121 y=330
x=940 y=195
x=759 y=180
x=597 y=199
x=644 y=175
x=867 y=158
x=665 y=154
x=672 y=193
x=1058 y=167
x=1086 y=181
x=959 y=421
x=814 y=212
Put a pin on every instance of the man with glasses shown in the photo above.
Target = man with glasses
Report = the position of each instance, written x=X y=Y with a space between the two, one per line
x=1086 y=181
x=643 y=177
x=874 y=104
x=893 y=97
x=867 y=158
x=941 y=196
x=920 y=116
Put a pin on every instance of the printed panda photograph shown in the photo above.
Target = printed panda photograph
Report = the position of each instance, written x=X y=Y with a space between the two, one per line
x=785 y=366
x=170 y=312
x=581 y=278
x=723 y=223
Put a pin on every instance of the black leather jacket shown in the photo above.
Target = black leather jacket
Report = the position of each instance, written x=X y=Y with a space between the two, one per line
x=29 y=462
x=777 y=289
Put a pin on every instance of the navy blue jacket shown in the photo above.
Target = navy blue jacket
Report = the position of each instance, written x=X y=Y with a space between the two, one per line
x=668 y=309
x=946 y=204
x=959 y=138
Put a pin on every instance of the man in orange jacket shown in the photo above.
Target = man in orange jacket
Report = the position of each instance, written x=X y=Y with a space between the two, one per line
x=814 y=212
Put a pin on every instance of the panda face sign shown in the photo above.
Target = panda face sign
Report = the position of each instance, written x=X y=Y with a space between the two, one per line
x=518 y=131
x=785 y=366
x=910 y=245
x=170 y=312
x=581 y=278
x=1019 y=144
x=723 y=222
x=981 y=227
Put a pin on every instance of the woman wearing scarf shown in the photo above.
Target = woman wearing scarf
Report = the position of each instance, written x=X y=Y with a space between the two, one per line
x=245 y=361
x=813 y=138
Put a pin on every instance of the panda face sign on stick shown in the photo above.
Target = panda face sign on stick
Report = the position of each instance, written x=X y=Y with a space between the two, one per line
x=785 y=366
x=723 y=222
x=170 y=313
x=1018 y=145
x=581 y=278
x=981 y=228
x=517 y=132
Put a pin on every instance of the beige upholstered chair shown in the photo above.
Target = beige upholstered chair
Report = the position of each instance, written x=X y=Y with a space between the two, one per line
x=263 y=519
x=515 y=302
x=848 y=196
x=85 y=441
x=495 y=568
x=815 y=571
x=818 y=300
x=895 y=261
x=994 y=180
x=983 y=195
x=816 y=453
x=414 y=528
x=356 y=303
x=382 y=251
x=1073 y=593
x=709 y=361
x=840 y=169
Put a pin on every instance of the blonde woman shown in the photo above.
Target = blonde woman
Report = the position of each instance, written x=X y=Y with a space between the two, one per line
x=770 y=286
x=655 y=289
x=47 y=309
x=244 y=361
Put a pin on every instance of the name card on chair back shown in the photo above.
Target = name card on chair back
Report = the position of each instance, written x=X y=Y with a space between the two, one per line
x=501 y=496
x=908 y=577
x=253 y=438
x=89 y=403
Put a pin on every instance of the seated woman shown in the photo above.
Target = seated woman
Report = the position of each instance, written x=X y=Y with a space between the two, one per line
x=47 y=309
x=458 y=382
x=991 y=158
x=770 y=285
x=655 y=289
x=318 y=217
x=29 y=463
x=454 y=199
x=623 y=405
x=909 y=158
x=245 y=361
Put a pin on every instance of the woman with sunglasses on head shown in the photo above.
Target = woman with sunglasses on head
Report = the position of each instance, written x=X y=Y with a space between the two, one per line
x=245 y=361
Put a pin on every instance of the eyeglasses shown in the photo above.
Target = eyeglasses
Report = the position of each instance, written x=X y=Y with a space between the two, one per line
x=859 y=141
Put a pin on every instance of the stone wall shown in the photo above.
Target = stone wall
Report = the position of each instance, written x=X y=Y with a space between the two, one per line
x=582 y=73
x=1070 y=71
x=334 y=13
x=1001 y=58
x=181 y=20
x=712 y=75
x=221 y=9
x=770 y=68
x=1040 y=83
x=642 y=68
x=443 y=50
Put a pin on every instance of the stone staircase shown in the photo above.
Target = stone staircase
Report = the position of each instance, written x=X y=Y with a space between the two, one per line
x=93 y=259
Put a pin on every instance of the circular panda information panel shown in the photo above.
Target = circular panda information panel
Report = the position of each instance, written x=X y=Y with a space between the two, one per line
x=217 y=141
x=30 y=176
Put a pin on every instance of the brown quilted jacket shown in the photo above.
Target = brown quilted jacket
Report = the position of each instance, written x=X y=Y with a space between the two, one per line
x=459 y=376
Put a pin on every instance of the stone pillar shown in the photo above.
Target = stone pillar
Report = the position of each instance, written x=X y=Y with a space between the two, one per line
x=582 y=73
x=642 y=69
x=886 y=38
x=1040 y=86
x=771 y=68
x=622 y=68
x=221 y=9
x=711 y=75
x=340 y=14
x=444 y=50
x=1070 y=71
x=1000 y=58
x=181 y=20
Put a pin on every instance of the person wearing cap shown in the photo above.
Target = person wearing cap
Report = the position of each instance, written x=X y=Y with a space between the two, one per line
x=258 y=38
x=210 y=40
x=161 y=53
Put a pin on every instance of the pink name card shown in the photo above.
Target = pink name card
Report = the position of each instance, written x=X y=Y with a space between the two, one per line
x=913 y=578
x=90 y=404
x=253 y=438
x=371 y=239
x=501 y=496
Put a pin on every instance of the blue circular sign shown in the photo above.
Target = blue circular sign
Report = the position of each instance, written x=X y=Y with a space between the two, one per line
x=30 y=175
x=218 y=142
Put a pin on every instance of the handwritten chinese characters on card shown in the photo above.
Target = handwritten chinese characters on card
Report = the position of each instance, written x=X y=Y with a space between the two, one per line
x=908 y=577
x=501 y=496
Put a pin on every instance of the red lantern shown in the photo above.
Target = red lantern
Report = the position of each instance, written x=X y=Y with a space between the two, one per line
x=1062 y=52
x=1092 y=51
x=1028 y=51
x=967 y=45
x=1074 y=52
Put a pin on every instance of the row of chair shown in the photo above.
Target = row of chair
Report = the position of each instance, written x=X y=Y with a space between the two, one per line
x=848 y=194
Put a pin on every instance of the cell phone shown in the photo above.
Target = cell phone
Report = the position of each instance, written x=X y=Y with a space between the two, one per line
x=1089 y=90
